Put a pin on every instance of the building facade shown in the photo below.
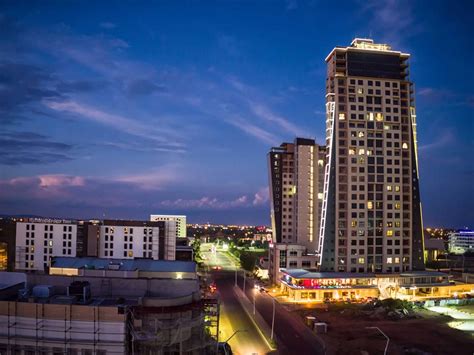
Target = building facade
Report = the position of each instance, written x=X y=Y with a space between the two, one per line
x=296 y=185
x=40 y=239
x=174 y=224
x=135 y=239
x=295 y=176
x=461 y=241
x=371 y=214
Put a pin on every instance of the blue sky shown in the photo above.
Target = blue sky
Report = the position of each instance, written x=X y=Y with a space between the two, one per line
x=125 y=109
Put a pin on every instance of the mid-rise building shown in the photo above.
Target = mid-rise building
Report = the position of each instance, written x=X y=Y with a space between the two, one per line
x=174 y=224
x=461 y=242
x=371 y=214
x=135 y=239
x=39 y=239
x=296 y=185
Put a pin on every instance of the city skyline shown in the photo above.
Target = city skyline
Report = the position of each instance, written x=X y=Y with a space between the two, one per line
x=129 y=112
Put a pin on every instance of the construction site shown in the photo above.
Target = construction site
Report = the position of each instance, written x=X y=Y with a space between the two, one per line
x=46 y=314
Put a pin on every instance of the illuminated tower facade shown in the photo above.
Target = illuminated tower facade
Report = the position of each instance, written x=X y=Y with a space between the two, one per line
x=371 y=213
x=296 y=182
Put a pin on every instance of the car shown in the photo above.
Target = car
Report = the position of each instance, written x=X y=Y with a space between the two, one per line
x=212 y=287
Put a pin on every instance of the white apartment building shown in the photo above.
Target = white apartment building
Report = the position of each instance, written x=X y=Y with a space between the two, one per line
x=461 y=241
x=123 y=239
x=39 y=239
x=174 y=224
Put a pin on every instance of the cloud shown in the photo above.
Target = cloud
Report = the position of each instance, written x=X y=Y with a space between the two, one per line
x=21 y=85
x=108 y=25
x=261 y=197
x=260 y=110
x=80 y=86
x=253 y=130
x=395 y=20
x=22 y=148
x=212 y=203
x=118 y=122
x=156 y=179
x=447 y=137
x=141 y=87
x=60 y=181
x=291 y=5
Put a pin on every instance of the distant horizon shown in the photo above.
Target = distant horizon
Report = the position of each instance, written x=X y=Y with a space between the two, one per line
x=128 y=110
x=3 y=215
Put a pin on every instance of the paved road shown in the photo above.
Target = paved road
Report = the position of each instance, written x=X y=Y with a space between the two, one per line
x=233 y=316
x=293 y=336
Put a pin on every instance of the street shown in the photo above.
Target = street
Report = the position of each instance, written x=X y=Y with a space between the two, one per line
x=233 y=317
x=292 y=335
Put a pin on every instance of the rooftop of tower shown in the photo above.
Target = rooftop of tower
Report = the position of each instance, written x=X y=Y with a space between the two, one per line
x=368 y=44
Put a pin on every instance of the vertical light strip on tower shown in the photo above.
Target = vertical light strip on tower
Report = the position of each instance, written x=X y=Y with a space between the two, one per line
x=330 y=112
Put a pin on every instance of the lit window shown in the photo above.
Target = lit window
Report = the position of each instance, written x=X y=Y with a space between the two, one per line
x=361 y=151
x=370 y=116
x=320 y=162
x=389 y=187
x=130 y=254
x=397 y=188
x=320 y=195
x=360 y=91
x=361 y=260
x=342 y=116
x=352 y=151
x=389 y=233
x=397 y=206
x=397 y=260
x=389 y=260
x=361 y=134
x=354 y=223
x=379 y=117
x=405 y=146
x=370 y=205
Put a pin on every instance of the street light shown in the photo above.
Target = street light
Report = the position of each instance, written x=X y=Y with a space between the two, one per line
x=237 y=331
x=385 y=335
x=273 y=318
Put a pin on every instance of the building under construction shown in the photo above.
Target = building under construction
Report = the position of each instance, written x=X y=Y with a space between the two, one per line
x=107 y=307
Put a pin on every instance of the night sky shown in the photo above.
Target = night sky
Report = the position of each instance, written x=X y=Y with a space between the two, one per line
x=123 y=109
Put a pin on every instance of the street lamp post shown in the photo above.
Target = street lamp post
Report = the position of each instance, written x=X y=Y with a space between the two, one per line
x=273 y=318
x=385 y=335
x=254 y=302
x=237 y=331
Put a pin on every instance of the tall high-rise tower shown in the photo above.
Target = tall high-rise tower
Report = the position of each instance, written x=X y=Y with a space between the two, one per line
x=371 y=214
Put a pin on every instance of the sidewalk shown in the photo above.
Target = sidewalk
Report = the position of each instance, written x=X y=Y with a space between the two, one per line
x=260 y=323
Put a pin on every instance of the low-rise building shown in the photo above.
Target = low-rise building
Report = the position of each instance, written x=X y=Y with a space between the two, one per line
x=288 y=256
x=461 y=242
x=299 y=285
x=125 y=308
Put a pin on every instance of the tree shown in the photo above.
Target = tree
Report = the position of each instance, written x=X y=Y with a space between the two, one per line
x=248 y=260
